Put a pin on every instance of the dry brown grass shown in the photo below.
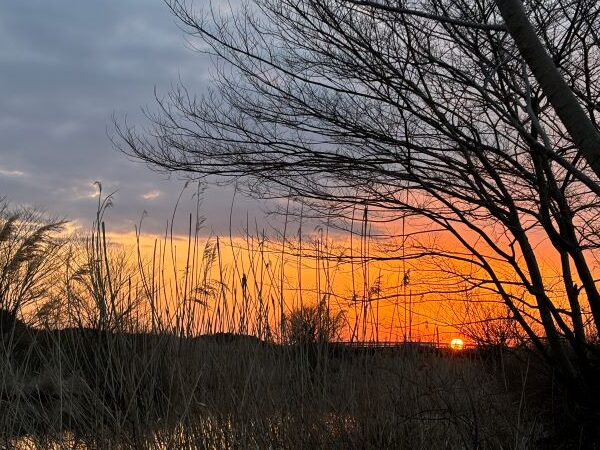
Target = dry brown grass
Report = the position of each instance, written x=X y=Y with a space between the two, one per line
x=159 y=391
x=142 y=378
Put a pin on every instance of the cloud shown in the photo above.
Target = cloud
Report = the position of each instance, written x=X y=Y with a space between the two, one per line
x=11 y=173
x=86 y=62
x=87 y=191
x=151 y=195
x=61 y=85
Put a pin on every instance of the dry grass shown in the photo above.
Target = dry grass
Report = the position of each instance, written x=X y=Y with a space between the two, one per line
x=142 y=391
x=140 y=376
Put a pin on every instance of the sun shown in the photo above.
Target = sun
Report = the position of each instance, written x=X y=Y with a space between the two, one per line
x=457 y=344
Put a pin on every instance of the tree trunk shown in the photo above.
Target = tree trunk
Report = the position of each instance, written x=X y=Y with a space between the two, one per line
x=578 y=124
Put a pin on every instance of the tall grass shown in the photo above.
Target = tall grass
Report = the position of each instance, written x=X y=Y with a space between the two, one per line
x=144 y=352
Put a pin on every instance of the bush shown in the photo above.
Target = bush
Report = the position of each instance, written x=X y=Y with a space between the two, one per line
x=312 y=324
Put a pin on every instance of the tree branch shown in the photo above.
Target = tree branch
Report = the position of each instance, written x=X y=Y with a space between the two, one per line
x=436 y=17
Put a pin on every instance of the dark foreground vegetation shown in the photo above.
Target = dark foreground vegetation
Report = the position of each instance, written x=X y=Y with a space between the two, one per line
x=85 y=388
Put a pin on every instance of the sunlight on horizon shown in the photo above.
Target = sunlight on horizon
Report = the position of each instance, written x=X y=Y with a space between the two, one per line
x=457 y=344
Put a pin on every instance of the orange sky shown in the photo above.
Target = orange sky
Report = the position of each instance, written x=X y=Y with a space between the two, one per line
x=378 y=309
x=376 y=301
x=244 y=283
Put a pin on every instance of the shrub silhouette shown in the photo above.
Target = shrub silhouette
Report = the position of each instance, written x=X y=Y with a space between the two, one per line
x=315 y=324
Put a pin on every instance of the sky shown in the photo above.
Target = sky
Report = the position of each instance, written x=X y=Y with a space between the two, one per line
x=67 y=68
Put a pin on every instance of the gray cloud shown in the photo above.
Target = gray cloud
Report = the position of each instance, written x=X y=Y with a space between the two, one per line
x=65 y=68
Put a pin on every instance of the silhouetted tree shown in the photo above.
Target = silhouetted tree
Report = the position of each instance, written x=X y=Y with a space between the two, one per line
x=314 y=324
x=444 y=112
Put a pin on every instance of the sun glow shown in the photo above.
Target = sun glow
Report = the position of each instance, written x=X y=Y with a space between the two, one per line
x=457 y=344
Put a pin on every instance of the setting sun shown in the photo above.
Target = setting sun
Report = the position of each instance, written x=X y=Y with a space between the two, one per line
x=457 y=344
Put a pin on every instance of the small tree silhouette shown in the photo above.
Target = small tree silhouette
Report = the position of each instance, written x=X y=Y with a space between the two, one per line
x=315 y=324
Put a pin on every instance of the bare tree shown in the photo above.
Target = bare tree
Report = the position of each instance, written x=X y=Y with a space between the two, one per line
x=432 y=111
x=532 y=50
